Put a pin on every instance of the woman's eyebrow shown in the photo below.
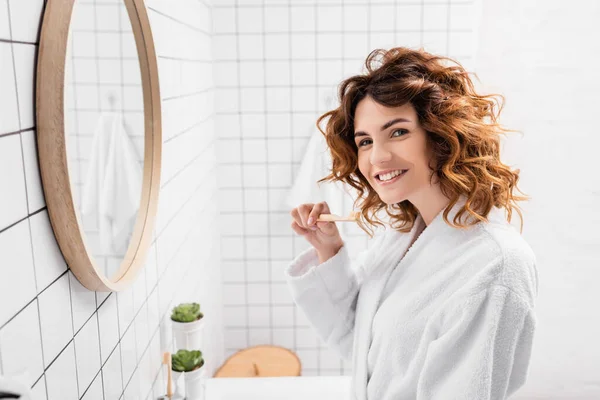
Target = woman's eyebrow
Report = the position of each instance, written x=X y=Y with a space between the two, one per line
x=384 y=127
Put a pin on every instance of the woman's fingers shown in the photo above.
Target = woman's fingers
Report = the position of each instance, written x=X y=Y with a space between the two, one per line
x=314 y=214
x=298 y=229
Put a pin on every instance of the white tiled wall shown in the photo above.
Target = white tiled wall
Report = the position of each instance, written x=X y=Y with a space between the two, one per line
x=277 y=65
x=77 y=344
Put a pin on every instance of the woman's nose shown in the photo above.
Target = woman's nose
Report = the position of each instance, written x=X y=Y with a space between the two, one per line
x=380 y=154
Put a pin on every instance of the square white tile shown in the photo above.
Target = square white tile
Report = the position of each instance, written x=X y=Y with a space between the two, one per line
x=9 y=114
x=61 y=376
x=83 y=301
x=252 y=73
x=382 y=17
x=128 y=353
x=435 y=16
x=26 y=18
x=278 y=99
x=21 y=345
x=304 y=47
x=13 y=202
x=259 y=317
x=141 y=332
x=56 y=318
x=49 y=262
x=253 y=125
x=283 y=337
x=125 y=307
x=236 y=338
x=356 y=17
x=259 y=336
x=280 y=293
x=35 y=194
x=17 y=279
x=303 y=19
x=4 y=20
x=249 y=19
x=113 y=385
x=225 y=47
x=252 y=100
x=234 y=294
x=283 y=316
x=277 y=73
x=224 y=19
x=258 y=294
x=277 y=19
x=109 y=326
x=25 y=64
x=250 y=47
x=277 y=47
x=87 y=354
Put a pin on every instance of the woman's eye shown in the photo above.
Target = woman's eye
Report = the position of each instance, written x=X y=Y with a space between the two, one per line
x=363 y=142
x=403 y=131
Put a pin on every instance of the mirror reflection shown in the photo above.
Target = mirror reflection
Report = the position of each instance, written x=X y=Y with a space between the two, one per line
x=104 y=128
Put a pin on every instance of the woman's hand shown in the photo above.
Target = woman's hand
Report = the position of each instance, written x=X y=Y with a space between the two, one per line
x=323 y=236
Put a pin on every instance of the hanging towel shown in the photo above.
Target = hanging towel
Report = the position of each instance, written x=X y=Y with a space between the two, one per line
x=113 y=184
x=316 y=165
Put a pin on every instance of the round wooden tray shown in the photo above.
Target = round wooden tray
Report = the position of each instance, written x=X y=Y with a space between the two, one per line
x=261 y=361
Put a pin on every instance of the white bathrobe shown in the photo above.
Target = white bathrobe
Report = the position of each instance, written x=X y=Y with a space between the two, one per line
x=451 y=318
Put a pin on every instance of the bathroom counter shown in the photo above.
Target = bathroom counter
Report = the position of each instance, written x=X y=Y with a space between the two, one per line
x=283 y=388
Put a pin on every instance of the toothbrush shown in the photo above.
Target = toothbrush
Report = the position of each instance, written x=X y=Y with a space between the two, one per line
x=167 y=361
x=353 y=217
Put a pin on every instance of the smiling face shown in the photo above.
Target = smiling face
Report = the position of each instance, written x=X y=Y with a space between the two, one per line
x=390 y=140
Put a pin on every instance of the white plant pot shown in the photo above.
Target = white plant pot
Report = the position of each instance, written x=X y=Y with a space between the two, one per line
x=194 y=384
x=188 y=335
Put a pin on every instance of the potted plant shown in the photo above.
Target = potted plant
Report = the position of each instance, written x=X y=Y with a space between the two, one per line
x=189 y=363
x=188 y=323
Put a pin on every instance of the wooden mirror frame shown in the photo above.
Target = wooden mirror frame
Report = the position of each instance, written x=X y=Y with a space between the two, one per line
x=52 y=152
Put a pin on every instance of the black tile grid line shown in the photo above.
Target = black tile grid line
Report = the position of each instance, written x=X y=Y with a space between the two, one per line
x=241 y=144
x=189 y=128
x=75 y=57
x=291 y=137
x=181 y=96
x=349 y=31
x=209 y=146
x=17 y=41
x=267 y=175
x=193 y=60
x=193 y=28
x=104 y=84
x=338 y=4
x=353 y=59
x=17 y=132
x=316 y=38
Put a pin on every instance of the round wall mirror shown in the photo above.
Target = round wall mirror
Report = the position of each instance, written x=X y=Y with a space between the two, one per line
x=99 y=138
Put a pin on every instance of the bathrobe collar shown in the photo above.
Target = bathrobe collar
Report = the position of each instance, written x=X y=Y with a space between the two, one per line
x=393 y=252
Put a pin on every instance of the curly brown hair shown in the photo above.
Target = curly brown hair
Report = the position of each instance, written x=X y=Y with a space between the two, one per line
x=462 y=132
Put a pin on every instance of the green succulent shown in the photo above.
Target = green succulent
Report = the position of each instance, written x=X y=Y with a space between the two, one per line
x=186 y=312
x=186 y=360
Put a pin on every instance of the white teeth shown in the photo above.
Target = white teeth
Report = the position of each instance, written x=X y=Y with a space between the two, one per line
x=388 y=176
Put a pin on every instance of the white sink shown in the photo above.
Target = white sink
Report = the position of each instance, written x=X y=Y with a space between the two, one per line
x=284 y=388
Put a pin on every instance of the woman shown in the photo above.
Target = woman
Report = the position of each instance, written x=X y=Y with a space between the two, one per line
x=441 y=305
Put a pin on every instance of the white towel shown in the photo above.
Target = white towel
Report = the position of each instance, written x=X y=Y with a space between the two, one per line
x=317 y=164
x=113 y=184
